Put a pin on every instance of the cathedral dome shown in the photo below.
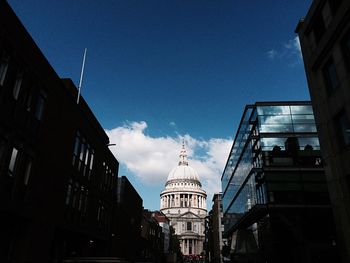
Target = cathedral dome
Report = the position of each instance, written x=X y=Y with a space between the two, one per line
x=183 y=172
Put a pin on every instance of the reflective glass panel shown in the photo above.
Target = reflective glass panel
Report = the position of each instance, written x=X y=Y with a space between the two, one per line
x=276 y=119
x=303 y=118
x=273 y=110
x=312 y=141
x=301 y=109
x=305 y=128
x=276 y=128
x=267 y=144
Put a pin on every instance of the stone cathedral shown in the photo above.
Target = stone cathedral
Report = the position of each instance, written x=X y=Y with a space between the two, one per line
x=183 y=201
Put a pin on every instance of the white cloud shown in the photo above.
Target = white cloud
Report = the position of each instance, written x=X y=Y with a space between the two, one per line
x=290 y=51
x=271 y=53
x=150 y=159
x=293 y=46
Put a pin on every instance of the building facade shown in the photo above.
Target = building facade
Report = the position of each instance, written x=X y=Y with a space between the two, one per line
x=275 y=199
x=127 y=221
x=164 y=223
x=152 y=239
x=57 y=175
x=325 y=41
x=214 y=231
x=183 y=201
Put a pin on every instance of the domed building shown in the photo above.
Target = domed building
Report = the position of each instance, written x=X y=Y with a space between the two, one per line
x=183 y=201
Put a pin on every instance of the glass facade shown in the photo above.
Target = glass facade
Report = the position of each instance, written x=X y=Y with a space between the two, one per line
x=278 y=136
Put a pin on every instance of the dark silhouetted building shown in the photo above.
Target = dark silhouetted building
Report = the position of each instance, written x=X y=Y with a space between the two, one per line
x=214 y=229
x=164 y=222
x=57 y=175
x=325 y=41
x=127 y=221
x=152 y=239
x=275 y=199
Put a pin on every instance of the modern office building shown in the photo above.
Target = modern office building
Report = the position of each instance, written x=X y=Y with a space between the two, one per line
x=325 y=42
x=275 y=199
x=183 y=201
x=57 y=175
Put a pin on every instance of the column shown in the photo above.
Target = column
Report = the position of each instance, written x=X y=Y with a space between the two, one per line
x=185 y=247
x=188 y=246
x=194 y=248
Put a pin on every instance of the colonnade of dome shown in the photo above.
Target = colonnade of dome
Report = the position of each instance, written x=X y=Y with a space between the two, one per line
x=185 y=199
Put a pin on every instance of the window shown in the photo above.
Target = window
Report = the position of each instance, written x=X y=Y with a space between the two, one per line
x=18 y=84
x=28 y=169
x=189 y=226
x=330 y=75
x=69 y=192
x=76 y=147
x=83 y=155
x=100 y=211
x=13 y=161
x=343 y=127
x=40 y=105
x=87 y=155
x=75 y=195
x=4 y=63
x=28 y=100
x=91 y=163
x=81 y=198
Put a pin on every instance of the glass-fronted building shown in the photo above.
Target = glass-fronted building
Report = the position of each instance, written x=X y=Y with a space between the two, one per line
x=273 y=184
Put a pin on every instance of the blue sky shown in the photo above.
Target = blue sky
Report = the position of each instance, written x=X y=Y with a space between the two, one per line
x=158 y=71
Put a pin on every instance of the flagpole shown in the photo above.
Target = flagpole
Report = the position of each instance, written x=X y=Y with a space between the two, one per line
x=81 y=75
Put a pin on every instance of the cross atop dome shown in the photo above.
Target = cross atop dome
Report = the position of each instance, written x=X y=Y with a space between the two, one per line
x=183 y=155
